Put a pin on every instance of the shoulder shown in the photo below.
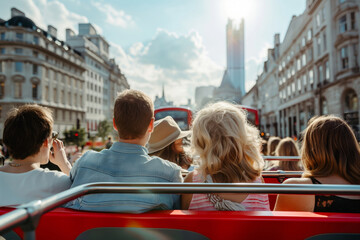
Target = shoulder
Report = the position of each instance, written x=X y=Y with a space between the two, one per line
x=164 y=163
x=297 y=181
x=189 y=177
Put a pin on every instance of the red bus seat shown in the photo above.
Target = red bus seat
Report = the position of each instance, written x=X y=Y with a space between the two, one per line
x=64 y=223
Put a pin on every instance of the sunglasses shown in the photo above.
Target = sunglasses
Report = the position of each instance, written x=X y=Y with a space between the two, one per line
x=54 y=135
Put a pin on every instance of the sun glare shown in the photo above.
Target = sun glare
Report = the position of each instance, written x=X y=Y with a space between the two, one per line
x=238 y=9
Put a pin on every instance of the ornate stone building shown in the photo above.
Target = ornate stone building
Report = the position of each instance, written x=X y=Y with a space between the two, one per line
x=76 y=78
x=36 y=67
x=103 y=77
x=314 y=71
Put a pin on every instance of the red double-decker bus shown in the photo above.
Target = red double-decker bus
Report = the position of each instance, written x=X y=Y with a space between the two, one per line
x=182 y=115
x=252 y=115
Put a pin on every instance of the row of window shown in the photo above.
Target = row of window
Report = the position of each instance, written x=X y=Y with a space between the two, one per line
x=344 y=25
x=65 y=97
x=94 y=110
x=91 y=98
x=18 y=90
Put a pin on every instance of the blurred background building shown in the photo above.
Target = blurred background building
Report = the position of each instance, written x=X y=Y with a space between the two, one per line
x=314 y=71
x=78 y=83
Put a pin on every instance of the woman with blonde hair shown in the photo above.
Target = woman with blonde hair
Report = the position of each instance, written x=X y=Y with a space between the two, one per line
x=330 y=155
x=228 y=147
x=287 y=147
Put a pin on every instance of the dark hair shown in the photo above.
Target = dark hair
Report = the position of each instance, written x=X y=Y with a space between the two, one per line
x=330 y=147
x=272 y=144
x=168 y=153
x=133 y=111
x=25 y=130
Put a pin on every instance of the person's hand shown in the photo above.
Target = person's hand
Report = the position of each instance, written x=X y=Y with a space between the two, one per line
x=58 y=156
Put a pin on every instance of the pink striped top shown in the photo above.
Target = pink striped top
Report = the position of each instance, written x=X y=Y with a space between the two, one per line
x=253 y=202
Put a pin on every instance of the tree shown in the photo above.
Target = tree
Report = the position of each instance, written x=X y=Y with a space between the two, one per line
x=104 y=128
x=75 y=136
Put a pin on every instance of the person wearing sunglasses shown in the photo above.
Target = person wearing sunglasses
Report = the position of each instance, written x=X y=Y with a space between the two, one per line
x=29 y=137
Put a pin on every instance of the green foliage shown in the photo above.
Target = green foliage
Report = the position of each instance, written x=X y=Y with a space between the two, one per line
x=104 y=128
x=75 y=136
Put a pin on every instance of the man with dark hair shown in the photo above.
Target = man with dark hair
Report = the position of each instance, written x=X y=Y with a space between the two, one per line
x=126 y=161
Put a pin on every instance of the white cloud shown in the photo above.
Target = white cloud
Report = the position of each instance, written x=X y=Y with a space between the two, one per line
x=42 y=12
x=113 y=16
x=180 y=62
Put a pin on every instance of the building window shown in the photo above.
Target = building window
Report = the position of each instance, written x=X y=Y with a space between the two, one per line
x=36 y=40
x=324 y=39
x=320 y=74
x=2 y=36
x=311 y=77
x=353 y=22
x=309 y=35
x=299 y=84
x=35 y=90
x=46 y=95
x=342 y=24
x=75 y=100
x=304 y=80
x=318 y=20
x=69 y=98
x=35 y=54
x=303 y=42
x=327 y=71
x=298 y=63
x=1 y=67
x=304 y=59
x=62 y=97
x=2 y=90
x=2 y=50
x=341 y=1
x=324 y=107
x=344 y=58
x=319 y=45
x=17 y=89
x=18 y=51
x=18 y=66
x=35 y=69
x=19 y=36
x=55 y=94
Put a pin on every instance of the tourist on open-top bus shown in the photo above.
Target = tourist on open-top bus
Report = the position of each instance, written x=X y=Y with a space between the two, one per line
x=28 y=136
x=167 y=142
x=330 y=155
x=229 y=150
x=126 y=161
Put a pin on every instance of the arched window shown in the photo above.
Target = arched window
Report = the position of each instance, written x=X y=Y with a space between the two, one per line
x=35 y=82
x=351 y=101
x=324 y=106
x=351 y=107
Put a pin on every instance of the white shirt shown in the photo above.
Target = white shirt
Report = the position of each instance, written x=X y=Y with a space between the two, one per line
x=19 y=188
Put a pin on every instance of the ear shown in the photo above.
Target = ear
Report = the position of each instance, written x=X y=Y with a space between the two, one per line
x=151 y=126
x=114 y=125
x=46 y=143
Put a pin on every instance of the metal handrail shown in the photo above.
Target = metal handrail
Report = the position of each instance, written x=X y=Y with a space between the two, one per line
x=282 y=158
x=30 y=213
x=281 y=173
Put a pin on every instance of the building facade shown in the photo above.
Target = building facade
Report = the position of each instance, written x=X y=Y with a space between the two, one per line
x=103 y=77
x=314 y=71
x=232 y=87
x=36 y=67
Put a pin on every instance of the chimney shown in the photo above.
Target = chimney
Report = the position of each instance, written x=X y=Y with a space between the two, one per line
x=69 y=33
x=16 y=12
x=52 y=31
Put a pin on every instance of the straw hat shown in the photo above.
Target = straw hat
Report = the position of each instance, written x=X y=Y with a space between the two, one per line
x=166 y=131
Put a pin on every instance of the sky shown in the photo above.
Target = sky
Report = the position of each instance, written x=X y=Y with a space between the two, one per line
x=180 y=44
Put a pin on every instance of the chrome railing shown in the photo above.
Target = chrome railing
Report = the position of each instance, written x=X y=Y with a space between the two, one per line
x=28 y=215
x=281 y=158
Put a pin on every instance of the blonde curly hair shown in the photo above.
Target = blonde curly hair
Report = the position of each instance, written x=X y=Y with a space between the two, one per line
x=228 y=146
